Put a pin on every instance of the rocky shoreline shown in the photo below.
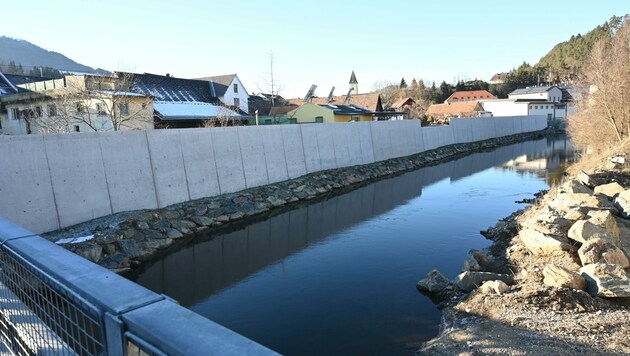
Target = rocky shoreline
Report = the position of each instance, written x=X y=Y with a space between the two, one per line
x=125 y=241
x=555 y=280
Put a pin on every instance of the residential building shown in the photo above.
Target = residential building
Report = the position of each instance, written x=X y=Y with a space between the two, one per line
x=549 y=101
x=469 y=95
x=9 y=85
x=230 y=90
x=498 y=78
x=548 y=93
x=183 y=103
x=326 y=113
x=456 y=109
x=524 y=107
x=77 y=103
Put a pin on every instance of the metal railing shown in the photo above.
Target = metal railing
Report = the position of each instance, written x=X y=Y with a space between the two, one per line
x=53 y=302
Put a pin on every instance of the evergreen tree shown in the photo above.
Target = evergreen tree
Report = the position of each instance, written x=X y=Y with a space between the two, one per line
x=414 y=83
x=403 y=83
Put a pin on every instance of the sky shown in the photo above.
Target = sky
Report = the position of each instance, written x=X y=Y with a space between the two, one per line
x=315 y=42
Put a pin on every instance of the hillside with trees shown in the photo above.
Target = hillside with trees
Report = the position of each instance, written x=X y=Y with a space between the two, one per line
x=566 y=59
x=22 y=57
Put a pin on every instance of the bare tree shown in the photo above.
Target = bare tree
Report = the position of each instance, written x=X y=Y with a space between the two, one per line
x=224 y=117
x=603 y=116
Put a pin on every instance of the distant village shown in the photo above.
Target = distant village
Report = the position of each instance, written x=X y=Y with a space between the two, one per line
x=132 y=101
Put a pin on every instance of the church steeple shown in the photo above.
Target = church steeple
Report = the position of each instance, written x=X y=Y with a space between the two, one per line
x=354 y=85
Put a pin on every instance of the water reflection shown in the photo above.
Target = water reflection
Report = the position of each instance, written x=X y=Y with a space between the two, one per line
x=338 y=276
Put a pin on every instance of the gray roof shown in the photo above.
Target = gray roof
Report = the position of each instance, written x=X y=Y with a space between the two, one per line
x=219 y=82
x=532 y=90
x=167 y=88
x=347 y=109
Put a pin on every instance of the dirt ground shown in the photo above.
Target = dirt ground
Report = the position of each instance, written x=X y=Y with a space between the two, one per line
x=532 y=318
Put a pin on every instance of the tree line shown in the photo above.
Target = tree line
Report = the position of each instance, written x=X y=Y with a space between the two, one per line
x=33 y=71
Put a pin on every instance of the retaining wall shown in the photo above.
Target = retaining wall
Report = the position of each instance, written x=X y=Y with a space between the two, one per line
x=52 y=181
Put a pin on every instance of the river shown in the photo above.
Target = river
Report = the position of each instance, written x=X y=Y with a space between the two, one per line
x=338 y=277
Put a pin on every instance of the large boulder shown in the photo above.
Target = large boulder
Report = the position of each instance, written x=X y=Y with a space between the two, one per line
x=604 y=280
x=434 y=282
x=88 y=250
x=609 y=190
x=468 y=280
x=585 y=178
x=566 y=201
x=575 y=186
x=541 y=244
x=476 y=261
x=622 y=203
x=560 y=277
x=599 y=250
x=605 y=219
x=490 y=287
x=584 y=230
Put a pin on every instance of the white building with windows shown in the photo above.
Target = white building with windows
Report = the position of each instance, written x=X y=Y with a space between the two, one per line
x=548 y=101
x=230 y=90
x=548 y=93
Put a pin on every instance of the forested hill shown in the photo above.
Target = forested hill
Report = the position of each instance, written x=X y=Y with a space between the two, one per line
x=29 y=55
x=566 y=58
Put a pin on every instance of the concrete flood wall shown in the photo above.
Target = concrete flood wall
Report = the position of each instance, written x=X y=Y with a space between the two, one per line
x=53 y=181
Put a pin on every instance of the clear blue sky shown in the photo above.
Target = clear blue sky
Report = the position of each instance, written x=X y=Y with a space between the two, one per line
x=315 y=42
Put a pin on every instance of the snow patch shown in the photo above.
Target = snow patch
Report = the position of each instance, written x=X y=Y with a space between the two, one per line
x=75 y=240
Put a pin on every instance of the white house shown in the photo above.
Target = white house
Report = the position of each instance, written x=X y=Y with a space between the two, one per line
x=524 y=107
x=549 y=93
x=230 y=90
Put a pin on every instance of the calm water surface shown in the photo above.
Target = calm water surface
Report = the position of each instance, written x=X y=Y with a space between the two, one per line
x=338 y=277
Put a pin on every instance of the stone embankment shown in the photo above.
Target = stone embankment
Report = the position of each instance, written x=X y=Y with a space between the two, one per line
x=555 y=281
x=127 y=240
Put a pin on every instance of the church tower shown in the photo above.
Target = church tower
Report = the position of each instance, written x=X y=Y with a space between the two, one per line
x=354 y=85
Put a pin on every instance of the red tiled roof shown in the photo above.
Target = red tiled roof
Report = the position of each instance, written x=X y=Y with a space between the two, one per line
x=401 y=102
x=463 y=107
x=469 y=95
x=368 y=101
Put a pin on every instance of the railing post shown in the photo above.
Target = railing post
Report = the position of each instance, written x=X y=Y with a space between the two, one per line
x=114 y=335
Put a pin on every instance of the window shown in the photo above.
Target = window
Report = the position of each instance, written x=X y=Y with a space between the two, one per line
x=236 y=88
x=77 y=128
x=124 y=108
x=15 y=114
x=80 y=107
x=536 y=107
x=52 y=110
x=237 y=102
x=319 y=119
x=38 y=111
x=100 y=108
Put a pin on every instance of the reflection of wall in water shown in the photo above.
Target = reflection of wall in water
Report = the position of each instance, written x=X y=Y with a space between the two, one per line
x=210 y=266
x=558 y=150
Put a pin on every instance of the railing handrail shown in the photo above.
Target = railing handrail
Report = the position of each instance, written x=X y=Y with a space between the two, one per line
x=125 y=307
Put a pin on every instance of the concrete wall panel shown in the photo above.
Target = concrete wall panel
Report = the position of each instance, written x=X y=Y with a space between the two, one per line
x=128 y=170
x=294 y=150
x=311 y=148
x=381 y=141
x=167 y=161
x=227 y=152
x=200 y=164
x=518 y=124
x=275 y=157
x=363 y=130
x=26 y=193
x=326 y=144
x=253 y=155
x=462 y=130
x=418 y=138
x=78 y=177
x=343 y=142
